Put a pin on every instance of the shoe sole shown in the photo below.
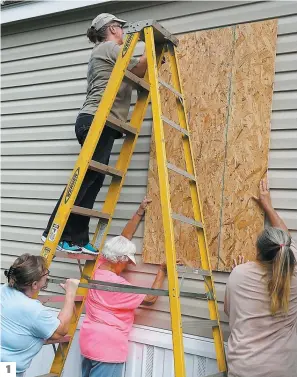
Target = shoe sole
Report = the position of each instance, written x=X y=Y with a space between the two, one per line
x=86 y=251
x=69 y=251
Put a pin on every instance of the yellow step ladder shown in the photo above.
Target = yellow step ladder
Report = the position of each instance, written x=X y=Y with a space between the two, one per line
x=158 y=43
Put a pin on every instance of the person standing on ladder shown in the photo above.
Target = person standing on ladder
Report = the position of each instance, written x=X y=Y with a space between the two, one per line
x=106 y=32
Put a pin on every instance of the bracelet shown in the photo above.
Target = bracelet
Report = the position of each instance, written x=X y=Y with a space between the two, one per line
x=139 y=214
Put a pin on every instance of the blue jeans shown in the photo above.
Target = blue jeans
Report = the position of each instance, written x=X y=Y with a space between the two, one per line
x=91 y=368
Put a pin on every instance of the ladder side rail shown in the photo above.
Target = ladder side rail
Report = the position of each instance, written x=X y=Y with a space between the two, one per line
x=197 y=208
x=174 y=296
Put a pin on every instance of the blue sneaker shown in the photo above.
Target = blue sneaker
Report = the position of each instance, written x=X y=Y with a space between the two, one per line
x=89 y=249
x=69 y=247
x=66 y=246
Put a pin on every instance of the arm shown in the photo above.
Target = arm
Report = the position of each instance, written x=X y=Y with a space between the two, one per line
x=65 y=314
x=159 y=280
x=140 y=68
x=264 y=201
x=133 y=223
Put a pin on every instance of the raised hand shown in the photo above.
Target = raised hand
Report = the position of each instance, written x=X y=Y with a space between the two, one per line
x=143 y=205
x=238 y=261
x=264 y=199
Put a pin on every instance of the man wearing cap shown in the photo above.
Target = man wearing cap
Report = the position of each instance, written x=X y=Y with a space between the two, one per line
x=106 y=32
x=109 y=315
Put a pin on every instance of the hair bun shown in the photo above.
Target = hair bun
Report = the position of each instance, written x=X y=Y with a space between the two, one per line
x=9 y=272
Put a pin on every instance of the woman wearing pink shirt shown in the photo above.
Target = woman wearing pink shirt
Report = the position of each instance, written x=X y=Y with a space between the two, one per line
x=110 y=315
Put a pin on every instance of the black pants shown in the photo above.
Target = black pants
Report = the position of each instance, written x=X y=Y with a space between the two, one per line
x=77 y=227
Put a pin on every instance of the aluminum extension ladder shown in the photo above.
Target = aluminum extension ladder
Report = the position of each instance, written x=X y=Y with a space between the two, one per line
x=158 y=43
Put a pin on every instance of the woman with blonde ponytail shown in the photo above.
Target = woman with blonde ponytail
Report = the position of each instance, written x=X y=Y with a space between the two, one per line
x=261 y=302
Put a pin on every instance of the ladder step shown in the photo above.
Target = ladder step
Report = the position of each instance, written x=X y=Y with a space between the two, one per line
x=62 y=254
x=120 y=126
x=171 y=88
x=56 y=298
x=180 y=171
x=187 y=220
x=105 y=169
x=64 y=339
x=137 y=80
x=89 y=212
x=220 y=374
x=49 y=375
x=175 y=125
x=190 y=270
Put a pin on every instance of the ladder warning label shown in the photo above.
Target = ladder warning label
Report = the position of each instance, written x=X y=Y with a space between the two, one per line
x=53 y=232
x=45 y=252
x=127 y=44
x=71 y=185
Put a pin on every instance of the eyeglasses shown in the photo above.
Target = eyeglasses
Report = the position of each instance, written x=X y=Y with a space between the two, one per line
x=46 y=274
x=116 y=25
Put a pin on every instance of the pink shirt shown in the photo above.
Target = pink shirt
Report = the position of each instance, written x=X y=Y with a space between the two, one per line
x=108 y=321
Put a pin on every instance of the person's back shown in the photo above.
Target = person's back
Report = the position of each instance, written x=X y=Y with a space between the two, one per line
x=261 y=302
x=260 y=344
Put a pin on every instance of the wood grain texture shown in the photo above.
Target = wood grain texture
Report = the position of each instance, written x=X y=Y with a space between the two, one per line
x=248 y=138
x=227 y=75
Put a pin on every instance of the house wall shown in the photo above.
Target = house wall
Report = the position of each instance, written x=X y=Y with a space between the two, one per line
x=44 y=65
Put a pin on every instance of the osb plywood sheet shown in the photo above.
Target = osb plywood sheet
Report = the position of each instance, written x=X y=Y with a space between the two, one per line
x=227 y=76
x=207 y=98
x=248 y=138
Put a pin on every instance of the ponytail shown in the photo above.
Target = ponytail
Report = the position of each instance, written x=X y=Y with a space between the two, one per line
x=98 y=35
x=277 y=257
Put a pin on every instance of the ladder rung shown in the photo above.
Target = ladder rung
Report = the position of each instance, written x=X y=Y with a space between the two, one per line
x=180 y=171
x=137 y=80
x=175 y=125
x=115 y=287
x=187 y=220
x=62 y=254
x=120 y=126
x=64 y=339
x=220 y=374
x=105 y=169
x=89 y=212
x=56 y=298
x=171 y=88
x=49 y=375
x=201 y=323
x=190 y=270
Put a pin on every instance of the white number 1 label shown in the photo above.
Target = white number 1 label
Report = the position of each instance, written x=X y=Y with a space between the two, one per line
x=7 y=369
